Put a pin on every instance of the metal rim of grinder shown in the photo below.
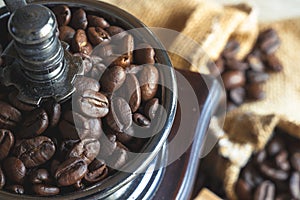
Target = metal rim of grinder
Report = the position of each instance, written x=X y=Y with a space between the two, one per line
x=39 y=65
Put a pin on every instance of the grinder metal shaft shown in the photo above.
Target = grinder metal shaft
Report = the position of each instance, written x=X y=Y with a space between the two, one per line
x=38 y=64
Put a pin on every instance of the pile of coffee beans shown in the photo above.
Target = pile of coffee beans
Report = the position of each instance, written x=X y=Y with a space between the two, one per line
x=243 y=78
x=273 y=173
x=59 y=148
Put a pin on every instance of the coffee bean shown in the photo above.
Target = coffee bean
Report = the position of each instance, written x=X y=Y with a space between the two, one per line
x=98 y=36
x=261 y=156
x=231 y=49
x=39 y=176
x=78 y=185
x=123 y=61
x=295 y=185
x=9 y=116
x=118 y=158
x=97 y=171
x=45 y=190
x=151 y=108
x=257 y=77
x=148 y=79
x=93 y=104
x=134 y=69
x=83 y=83
x=6 y=143
x=95 y=21
x=2 y=179
x=97 y=71
x=282 y=162
x=237 y=95
x=255 y=63
x=36 y=151
x=35 y=124
x=266 y=190
x=127 y=45
x=252 y=176
x=79 y=41
x=272 y=173
x=103 y=50
x=295 y=161
x=233 y=64
x=87 y=63
x=87 y=149
x=243 y=190
x=255 y=92
x=275 y=146
x=112 y=79
x=87 y=49
x=14 y=169
x=53 y=110
x=269 y=41
x=66 y=34
x=132 y=92
x=141 y=120
x=17 y=189
x=116 y=32
x=274 y=63
x=79 y=20
x=108 y=145
x=144 y=54
x=62 y=14
x=233 y=79
x=71 y=171
x=119 y=117
x=12 y=97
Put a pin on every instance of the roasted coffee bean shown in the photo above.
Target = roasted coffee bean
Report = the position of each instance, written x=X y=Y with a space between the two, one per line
x=95 y=21
x=274 y=63
x=36 y=151
x=261 y=156
x=123 y=61
x=75 y=126
x=233 y=79
x=83 y=83
x=141 y=120
x=252 y=176
x=103 y=51
x=243 y=190
x=108 y=145
x=6 y=143
x=93 y=104
x=237 y=95
x=112 y=79
x=295 y=161
x=119 y=117
x=45 y=190
x=255 y=63
x=295 y=185
x=257 y=77
x=87 y=49
x=282 y=162
x=80 y=42
x=97 y=171
x=66 y=34
x=116 y=32
x=233 y=64
x=35 y=124
x=62 y=14
x=53 y=110
x=266 y=190
x=269 y=41
x=9 y=116
x=132 y=92
x=2 y=179
x=71 y=171
x=17 y=189
x=134 y=69
x=79 y=19
x=39 y=176
x=12 y=97
x=14 y=169
x=275 y=146
x=149 y=82
x=98 y=36
x=78 y=185
x=97 y=71
x=231 y=49
x=127 y=45
x=87 y=149
x=272 y=173
x=255 y=92
x=151 y=108
x=118 y=158
x=144 y=54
